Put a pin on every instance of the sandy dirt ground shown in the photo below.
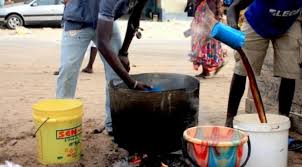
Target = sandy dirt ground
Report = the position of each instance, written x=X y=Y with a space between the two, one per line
x=29 y=57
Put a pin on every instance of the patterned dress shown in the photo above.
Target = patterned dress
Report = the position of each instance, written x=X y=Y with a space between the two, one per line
x=206 y=51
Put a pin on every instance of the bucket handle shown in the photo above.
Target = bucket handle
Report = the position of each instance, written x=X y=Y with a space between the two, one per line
x=34 y=135
x=248 y=151
x=186 y=154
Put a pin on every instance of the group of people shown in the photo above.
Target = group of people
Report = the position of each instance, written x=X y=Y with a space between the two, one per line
x=278 y=22
x=94 y=20
x=264 y=22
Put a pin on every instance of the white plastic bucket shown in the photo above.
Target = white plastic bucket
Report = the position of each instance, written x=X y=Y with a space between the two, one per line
x=269 y=142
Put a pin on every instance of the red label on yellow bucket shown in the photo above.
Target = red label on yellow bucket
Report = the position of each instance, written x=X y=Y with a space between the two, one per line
x=67 y=133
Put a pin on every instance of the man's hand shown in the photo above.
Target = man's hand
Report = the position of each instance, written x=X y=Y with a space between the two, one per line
x=141 y=86
x=125 y=61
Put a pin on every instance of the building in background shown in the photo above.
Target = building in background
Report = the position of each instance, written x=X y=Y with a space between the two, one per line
x=172 y=9
x=165 y=10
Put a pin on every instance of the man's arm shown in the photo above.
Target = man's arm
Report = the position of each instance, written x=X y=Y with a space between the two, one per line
x=234 y=11
x=133 y=25
x=104 y=32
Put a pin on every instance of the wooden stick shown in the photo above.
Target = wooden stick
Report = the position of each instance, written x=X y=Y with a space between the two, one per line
x=254 y=87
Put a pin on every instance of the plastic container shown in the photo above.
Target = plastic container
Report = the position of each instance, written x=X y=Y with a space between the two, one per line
x=59 y=127
x=214 y=146
x=269 y=141
x=228 y=35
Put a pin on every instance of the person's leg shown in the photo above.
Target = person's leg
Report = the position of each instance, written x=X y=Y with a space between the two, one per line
x=73 y=47
x=236 y=92
x=287 y=50
x=116 y=43
x=255 y=49
x=89 y=67
x=213 y=60
x=286 y=95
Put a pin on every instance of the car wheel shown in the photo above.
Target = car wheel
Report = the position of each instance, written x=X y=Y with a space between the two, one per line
x=13 y=21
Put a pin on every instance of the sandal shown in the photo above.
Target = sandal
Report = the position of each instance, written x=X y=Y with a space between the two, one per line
x=205 y=75
x=210 y=74
x=219 y=68
x=294 y=145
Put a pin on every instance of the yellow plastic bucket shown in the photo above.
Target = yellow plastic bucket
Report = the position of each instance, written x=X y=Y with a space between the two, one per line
x=59 y=128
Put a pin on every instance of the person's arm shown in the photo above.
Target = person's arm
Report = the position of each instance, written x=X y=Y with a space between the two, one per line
x=234 y=11
x=132 y=28
x=104 y=32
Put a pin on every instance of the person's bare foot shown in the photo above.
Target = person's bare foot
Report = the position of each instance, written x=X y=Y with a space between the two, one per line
x=88 y=70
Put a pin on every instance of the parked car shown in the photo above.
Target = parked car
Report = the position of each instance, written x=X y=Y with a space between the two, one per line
x=31 y=12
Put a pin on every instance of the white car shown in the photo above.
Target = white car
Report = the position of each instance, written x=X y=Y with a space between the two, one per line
x=32 y=12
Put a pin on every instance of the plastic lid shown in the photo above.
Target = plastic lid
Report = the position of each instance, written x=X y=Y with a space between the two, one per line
x=54 y=105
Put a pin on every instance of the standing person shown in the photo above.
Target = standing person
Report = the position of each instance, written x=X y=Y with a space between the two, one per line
x=266 y=21
x=208 y=53
x=92 y=55
x=80 y=22
x=79 y=30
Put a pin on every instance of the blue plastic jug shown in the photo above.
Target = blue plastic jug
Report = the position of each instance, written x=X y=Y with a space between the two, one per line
x=228 y=35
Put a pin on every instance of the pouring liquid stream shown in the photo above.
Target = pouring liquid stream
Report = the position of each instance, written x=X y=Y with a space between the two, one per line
x=236 y=39
x=205 y=23
x=254 y=87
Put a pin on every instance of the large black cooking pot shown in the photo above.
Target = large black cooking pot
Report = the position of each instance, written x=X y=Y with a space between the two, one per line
x=153 y=122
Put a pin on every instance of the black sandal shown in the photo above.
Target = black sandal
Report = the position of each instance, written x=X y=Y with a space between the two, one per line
x=295 y=145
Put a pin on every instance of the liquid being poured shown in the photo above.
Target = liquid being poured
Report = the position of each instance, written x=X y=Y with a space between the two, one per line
x=254 y=87
x=236 y=39
x=205 y=26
